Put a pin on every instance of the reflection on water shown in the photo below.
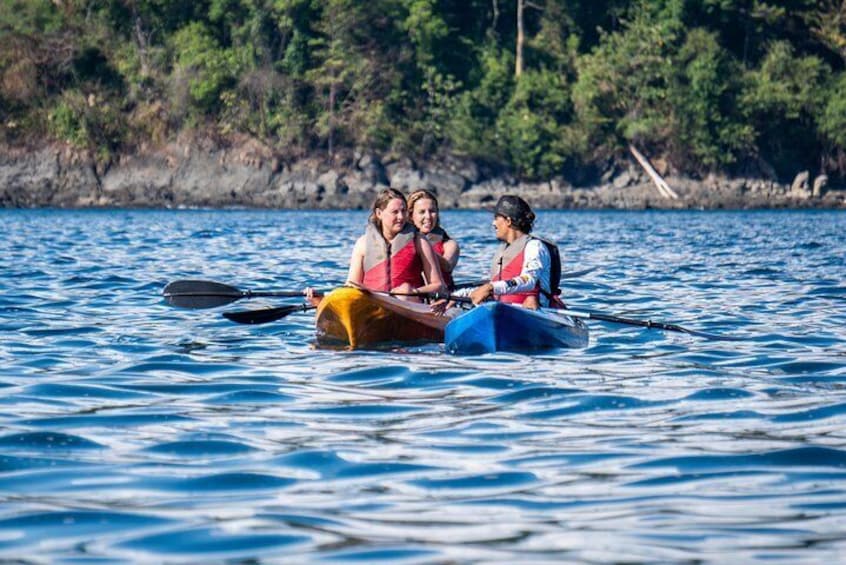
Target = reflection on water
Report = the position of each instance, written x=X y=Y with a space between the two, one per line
x=133 y=431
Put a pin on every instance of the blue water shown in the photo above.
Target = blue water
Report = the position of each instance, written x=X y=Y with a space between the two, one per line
x=133 y=431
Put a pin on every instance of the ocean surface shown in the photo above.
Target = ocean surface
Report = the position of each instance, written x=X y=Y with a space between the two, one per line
x=132 y=431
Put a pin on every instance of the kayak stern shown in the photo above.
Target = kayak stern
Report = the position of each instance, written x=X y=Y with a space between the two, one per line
x=495 y=326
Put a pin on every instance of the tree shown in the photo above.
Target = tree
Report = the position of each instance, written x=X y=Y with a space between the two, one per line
x=621 y=94
x=202 y=68
x=355 y=70
x=828 y=25
x=707 y=130
x=782 y=98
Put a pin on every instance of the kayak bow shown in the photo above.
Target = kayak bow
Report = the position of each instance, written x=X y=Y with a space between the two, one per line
x=496 y=326
x=360 y=318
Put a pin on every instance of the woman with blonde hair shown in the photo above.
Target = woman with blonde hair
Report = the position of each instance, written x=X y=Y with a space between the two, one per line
x=425 y=215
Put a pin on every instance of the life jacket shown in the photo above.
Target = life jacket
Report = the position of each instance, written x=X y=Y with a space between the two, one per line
x=554 y=295
x=388 y=266
x=508 y=263
x=437 y=237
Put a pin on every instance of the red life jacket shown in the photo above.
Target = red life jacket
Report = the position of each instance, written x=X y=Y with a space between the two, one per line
x=437 y=237
x=388 y=266
x=507 y=264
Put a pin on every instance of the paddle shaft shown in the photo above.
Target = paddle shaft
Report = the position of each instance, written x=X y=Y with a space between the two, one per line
x=207 y=294
x=480 y=282
x=627 y=321
x=588 y=316
x=197 y=294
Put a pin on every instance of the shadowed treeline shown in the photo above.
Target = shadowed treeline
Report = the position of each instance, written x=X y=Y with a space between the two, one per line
x=541 y=88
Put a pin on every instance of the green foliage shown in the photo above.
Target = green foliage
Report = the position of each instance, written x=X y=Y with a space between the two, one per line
x=530 y=129
x=707 y=131
x=29 y=17
x=706 y=84
x=785 y=85
x=296 y=59
x=67 y=122
x=87 y=122
x=426 y=29
x=473 y=127
x=203 y=66
x=832 y=120
x=621 y=94
x=782 y=98
x=436 y=107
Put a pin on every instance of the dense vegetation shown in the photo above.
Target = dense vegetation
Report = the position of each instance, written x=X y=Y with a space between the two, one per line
x=543 y=87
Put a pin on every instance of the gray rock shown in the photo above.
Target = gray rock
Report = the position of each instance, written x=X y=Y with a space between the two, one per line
x=48 y=177
x=372 y=169
x=820 y=183
x=467 y=169
x=622 y=180
x=443 y=182
x=799 y=187
x=332 y=182
x=139 y=182
x=404 y=178
x=357 y=182
x=190 y=176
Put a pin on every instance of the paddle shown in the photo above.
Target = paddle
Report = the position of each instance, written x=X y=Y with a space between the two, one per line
x=593 y=316
x=480 y=282
x=197 y=294
x=272 y=314
x=265 y=315
x=641 y=323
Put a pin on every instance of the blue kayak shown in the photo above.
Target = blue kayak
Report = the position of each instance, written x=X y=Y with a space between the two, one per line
x=496 y=326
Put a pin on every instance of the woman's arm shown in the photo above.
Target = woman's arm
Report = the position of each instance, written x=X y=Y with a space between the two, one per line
x=356 y=274
x=431 y=267
x=450 y=256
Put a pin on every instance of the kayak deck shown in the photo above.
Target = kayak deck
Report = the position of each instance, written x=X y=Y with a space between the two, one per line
x=496 y=326
x=359 y=318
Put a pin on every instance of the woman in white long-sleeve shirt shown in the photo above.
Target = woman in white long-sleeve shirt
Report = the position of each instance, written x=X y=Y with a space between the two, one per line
x=522 y=269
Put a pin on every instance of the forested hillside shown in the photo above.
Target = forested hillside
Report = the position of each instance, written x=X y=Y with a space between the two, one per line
x=540 y=87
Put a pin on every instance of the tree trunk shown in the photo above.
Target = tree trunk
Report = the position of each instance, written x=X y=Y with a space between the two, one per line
x=333 y=94
x=142 y=40
x=518 y=59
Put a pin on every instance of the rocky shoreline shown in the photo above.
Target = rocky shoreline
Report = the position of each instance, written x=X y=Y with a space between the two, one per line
x=189 y=176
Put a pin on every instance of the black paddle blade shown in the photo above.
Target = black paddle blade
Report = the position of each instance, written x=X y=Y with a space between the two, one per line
x=200 y=294
x=265 y=315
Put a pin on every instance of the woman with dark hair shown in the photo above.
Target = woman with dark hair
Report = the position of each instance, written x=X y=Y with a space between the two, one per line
x=525 y=269
x=391 y=256
x=425 y=215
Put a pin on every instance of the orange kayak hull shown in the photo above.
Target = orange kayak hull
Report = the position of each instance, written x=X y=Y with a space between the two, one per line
x=360 y=319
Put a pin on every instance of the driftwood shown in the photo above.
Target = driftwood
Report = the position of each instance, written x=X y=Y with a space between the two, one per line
x=663 y=188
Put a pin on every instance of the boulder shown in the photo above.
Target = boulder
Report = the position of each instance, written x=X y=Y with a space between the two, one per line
x=443 y=182
x=332 y=182
x=799 y=187
x=622 y=180
x=372 y=169
x=405 y=178
x=820 y=184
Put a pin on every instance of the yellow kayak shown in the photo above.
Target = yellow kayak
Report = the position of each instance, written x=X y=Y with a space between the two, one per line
x=360 y=318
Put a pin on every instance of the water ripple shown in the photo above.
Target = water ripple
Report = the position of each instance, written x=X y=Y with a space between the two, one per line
x=136 y=432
